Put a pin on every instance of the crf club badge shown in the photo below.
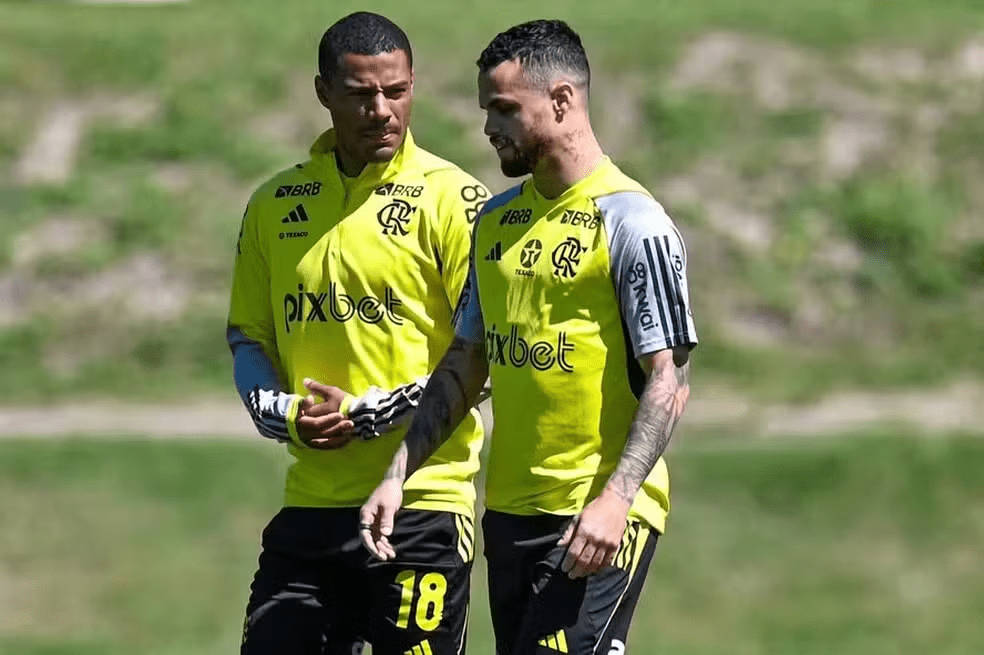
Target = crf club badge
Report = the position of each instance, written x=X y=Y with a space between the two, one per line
x=395 y=217
x=567 y=256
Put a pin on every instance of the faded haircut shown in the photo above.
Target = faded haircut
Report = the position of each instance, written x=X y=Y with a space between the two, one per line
x=546 y=49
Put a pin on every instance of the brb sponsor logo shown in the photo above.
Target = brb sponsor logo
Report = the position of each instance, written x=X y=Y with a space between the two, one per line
x=638 y=280
x=580 y=219
x=567 y=256
x=516 y=217
x=395 y=217
x=297 y=190
x=406 y=190
x=512 y=349
x=306 y=306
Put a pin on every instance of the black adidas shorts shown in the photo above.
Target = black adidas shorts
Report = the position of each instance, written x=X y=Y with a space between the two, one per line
x=317 y=591
x=537 y=609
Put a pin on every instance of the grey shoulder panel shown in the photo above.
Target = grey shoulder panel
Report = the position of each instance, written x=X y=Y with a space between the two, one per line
x=649 y=271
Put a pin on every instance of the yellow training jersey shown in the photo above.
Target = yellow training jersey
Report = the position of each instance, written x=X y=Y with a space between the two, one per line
x=351 y=282
x=568 y=294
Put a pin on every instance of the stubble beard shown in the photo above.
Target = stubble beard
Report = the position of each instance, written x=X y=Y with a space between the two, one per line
x=525 y=160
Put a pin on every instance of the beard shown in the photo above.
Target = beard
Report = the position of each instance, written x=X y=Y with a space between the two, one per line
x=525 y=159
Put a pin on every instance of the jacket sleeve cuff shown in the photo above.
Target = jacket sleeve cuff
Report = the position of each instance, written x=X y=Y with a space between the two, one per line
x=292 y=411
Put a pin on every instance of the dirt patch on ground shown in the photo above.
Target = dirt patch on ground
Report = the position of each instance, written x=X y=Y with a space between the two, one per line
x=50 y=157
x=956 y=408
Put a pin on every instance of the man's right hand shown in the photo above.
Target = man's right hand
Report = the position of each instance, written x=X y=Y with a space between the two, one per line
x=376 y=518
x=319 y=423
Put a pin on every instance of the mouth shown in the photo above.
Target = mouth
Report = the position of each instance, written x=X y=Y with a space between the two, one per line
x=500 y=144
x=384 y=134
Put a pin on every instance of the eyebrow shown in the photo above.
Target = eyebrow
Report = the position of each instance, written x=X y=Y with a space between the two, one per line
x=499 y=104
x=355 y=86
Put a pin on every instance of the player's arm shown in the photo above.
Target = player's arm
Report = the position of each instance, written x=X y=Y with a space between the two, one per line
x=453 y=388
x=251 y=336
x=661 y=405
x=648 y=261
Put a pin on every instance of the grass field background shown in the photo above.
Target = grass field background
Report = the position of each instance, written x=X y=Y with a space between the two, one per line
x=867 y=545
x=823 y=160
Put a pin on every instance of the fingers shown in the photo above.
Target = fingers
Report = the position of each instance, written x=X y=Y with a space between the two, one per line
x=573 y=553
x=376 y=525
x=332 y=443
x=375 y=539
x=331 y=427
x=319 y=409
x=582 y=565
x=367 y=523
x=326 y=394
x=600 y=560
x=306 y=404
x=587 y=552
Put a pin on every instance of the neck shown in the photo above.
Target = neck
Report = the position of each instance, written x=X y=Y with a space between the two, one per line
x=349 y=166
x=571 y=159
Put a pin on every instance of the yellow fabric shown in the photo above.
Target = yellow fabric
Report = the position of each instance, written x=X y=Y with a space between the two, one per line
x=562 y=401
x=352 y=282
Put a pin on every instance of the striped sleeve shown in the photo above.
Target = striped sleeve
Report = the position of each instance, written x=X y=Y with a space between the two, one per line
x=377 y=411
x=259 y=387
x=649 y=271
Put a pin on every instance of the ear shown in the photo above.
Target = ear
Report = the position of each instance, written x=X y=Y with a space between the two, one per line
x=321 y=90
x=562 y=99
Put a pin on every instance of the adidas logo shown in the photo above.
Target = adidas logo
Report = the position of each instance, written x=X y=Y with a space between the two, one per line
x=557 y=642
x=296 y=215
x=423 y=648
x=495 y=255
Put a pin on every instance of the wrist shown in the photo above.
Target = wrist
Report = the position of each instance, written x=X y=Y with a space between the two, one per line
x=347 y=404
x=617 y=495
x=293 y=411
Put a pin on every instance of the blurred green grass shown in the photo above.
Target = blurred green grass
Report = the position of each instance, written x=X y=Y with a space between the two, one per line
x=866 y=545
x=229 y=91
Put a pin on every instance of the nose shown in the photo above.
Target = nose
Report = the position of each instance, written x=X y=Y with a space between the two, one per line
x=378 y=108
x=489 y=129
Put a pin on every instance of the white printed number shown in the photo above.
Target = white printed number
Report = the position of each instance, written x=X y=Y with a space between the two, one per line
x=618 y=647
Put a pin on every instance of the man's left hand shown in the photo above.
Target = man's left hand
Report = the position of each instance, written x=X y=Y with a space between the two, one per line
x=593 y=536
x=319 y=423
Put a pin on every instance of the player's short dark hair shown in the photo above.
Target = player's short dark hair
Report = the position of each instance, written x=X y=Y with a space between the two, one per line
x=361 y=33
x=544 y=48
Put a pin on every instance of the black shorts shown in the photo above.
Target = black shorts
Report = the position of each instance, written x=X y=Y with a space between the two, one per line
x=318 y=591
x=537 y=609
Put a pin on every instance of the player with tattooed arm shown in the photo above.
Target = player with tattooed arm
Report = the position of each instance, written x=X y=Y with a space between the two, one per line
x=577 y=305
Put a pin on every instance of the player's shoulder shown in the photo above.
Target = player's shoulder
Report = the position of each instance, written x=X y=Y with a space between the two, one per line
x=444 y=174
x=501 y=200
x=294 y=182
x=634 y=208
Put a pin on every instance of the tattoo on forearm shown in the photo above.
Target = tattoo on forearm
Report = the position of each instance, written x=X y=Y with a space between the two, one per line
x=660 y=407
x=452 y=390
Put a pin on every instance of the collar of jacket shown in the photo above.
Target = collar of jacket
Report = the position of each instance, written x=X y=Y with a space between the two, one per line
x=323 y=158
